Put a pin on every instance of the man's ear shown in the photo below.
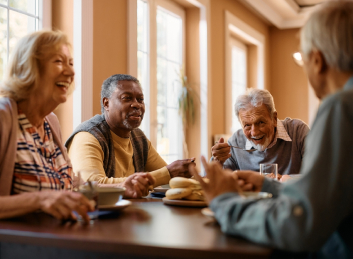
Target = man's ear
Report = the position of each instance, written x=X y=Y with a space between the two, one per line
x=320 y=65
x=275 y=119
x=105 y=103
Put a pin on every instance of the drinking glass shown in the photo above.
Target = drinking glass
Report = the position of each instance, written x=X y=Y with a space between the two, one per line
x=269 y=170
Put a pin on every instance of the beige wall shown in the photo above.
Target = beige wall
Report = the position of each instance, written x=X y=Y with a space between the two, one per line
x=62 y=19
x=192 y=65
x=109 y=43
x=289 y=85
x=218 y=55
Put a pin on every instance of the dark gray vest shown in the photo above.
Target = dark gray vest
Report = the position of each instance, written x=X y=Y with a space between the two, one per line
x=99 y=128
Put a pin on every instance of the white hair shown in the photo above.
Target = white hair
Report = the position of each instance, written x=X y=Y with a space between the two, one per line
x=330 y=30
x=255 y=98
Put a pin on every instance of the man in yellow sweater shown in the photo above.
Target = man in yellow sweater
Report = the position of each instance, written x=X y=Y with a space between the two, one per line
x=110 y=147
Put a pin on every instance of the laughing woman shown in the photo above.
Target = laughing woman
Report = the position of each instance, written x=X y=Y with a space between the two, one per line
x=35 y=171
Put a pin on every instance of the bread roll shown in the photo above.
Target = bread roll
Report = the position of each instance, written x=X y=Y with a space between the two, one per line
x=196 y=195
x=181 y=182
x=178 y=193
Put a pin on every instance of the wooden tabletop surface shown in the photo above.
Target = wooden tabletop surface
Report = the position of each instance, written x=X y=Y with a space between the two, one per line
x=146 y=228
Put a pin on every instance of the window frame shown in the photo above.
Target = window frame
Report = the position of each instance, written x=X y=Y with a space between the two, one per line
x=42 y=19
x=240 y=45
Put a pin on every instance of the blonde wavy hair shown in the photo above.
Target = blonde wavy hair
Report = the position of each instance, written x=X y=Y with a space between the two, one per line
x=24 y=67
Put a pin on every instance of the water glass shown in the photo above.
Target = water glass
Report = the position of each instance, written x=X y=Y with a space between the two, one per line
x=269 y=170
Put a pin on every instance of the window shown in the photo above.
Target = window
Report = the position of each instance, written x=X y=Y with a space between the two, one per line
x=244 y=67
x=169 y=64
x=239 y=75
x=17 y=18
x=158 y=69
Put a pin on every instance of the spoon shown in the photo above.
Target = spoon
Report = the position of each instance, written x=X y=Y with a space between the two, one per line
x=247 y=150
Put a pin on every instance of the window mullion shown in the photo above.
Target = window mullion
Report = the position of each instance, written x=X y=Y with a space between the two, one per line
x=153 y=70
x=8 y=33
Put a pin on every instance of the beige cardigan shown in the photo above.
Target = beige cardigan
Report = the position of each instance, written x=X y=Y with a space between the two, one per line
x=8 y=141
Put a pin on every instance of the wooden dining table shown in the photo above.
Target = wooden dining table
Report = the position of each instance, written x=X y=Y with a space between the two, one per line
x=146 y=229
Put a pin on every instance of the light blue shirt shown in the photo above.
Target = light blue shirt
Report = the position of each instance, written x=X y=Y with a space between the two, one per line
x=315 y=212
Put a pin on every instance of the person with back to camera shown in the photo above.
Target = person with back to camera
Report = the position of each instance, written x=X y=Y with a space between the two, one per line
x=313 y=214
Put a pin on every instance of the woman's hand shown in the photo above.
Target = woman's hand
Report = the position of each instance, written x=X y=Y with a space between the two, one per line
x=61 y=204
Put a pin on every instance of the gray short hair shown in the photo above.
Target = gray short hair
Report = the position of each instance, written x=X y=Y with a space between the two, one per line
x=330 y=30
x=255 y=98
x=111 y=83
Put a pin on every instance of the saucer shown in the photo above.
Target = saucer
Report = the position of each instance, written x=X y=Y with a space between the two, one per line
x=162 y=188
x=120 y=205
x=184 y=203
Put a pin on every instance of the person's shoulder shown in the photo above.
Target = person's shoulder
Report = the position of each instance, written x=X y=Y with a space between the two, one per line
x=342 y=97
x=84 y=139
x=84 y=136
x=294 y=123
x=8 y=110
x=93 y=122
x=295 y=126
x=6 y=104
x=337 y=105
x=52 y=116
x=53 y=120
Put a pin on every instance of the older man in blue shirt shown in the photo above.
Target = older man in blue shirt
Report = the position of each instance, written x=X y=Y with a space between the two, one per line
x=270 y=139
x=314 y=213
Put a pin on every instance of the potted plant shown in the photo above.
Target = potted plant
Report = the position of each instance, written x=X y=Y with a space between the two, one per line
x=188 y=101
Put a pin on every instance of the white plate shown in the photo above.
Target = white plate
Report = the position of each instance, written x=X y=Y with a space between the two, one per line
x=184 y=203
x=120 y=205
x=162 y=188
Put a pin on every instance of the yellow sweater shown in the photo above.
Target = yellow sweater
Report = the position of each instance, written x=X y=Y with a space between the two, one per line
x=87 y=157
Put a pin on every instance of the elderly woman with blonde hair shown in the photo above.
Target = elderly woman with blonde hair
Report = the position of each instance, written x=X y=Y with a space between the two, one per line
x=35 y=171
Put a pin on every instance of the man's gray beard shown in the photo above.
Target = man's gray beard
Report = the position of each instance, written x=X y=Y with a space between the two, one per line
x=259 y=146
x=127 y=125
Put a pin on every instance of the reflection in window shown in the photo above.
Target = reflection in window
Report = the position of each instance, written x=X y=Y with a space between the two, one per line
x=169 y=62
x=17 y=18
x=238 y=78
x=143 y=60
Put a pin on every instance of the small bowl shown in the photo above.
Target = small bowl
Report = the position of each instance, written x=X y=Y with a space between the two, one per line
x=110 y=195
